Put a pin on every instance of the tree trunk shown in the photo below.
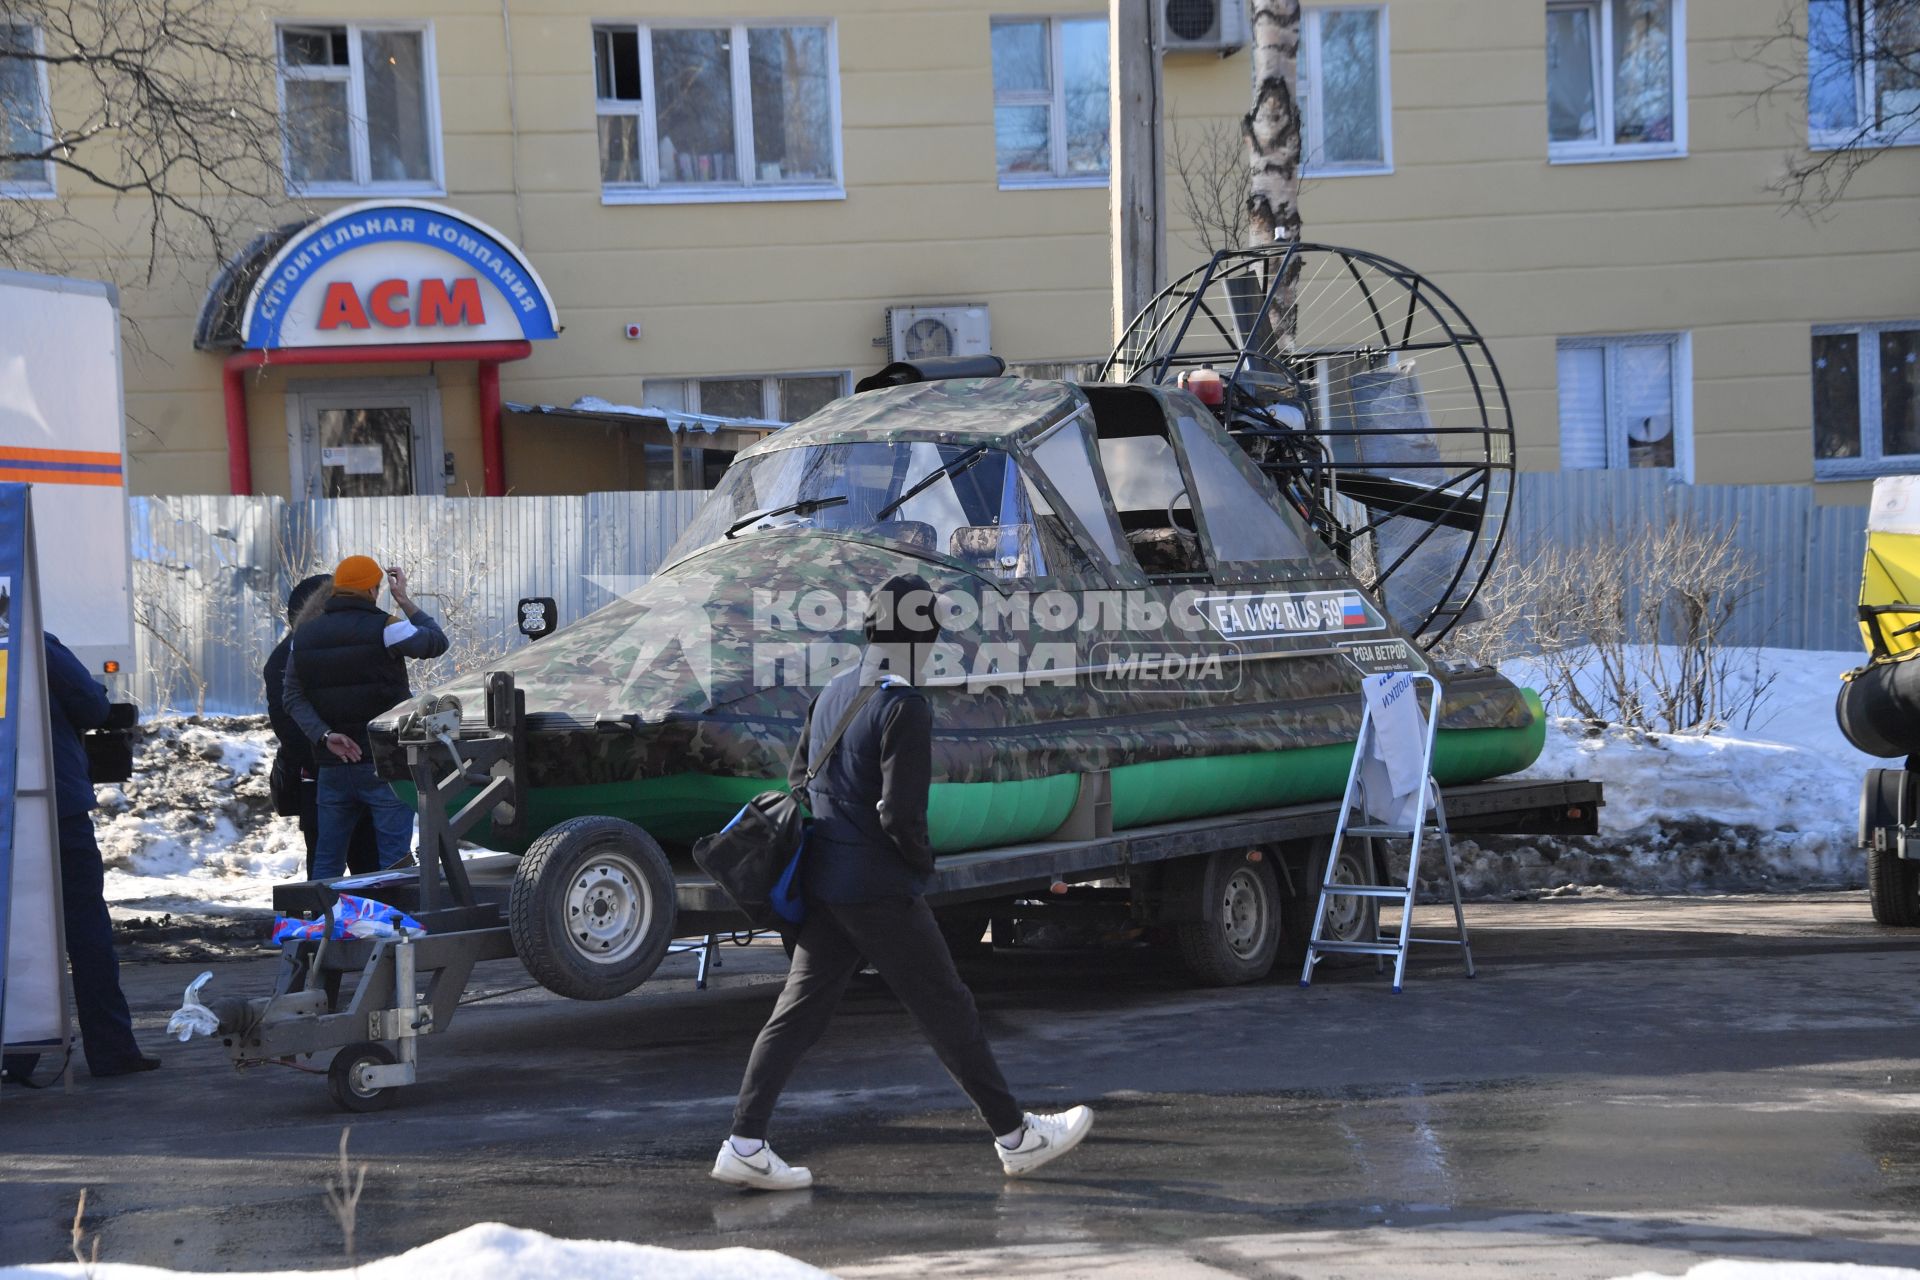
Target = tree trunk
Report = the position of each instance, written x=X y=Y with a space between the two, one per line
x=1272 y=129
x=1273 y=126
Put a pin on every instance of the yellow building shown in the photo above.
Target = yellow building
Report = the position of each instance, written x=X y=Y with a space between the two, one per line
x=738 y=216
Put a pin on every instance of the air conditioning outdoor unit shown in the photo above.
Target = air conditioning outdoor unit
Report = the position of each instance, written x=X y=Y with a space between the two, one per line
x=1203 y=26
x=914 y=333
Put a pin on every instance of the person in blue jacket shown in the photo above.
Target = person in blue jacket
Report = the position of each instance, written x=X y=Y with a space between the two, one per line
x=77 y=702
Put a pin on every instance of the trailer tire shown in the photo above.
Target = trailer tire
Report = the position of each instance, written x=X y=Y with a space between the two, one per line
x=1893 y=887
x=1348 y=919
x=1238 y=933
x=343 y=1072
x=592 y=908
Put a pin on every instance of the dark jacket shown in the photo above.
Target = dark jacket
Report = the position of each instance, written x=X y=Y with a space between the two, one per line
x=76 y=702
x=293 y=742
x=350 y=664
x=869 y=801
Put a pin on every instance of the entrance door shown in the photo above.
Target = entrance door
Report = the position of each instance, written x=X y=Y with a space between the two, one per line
x=367 y=439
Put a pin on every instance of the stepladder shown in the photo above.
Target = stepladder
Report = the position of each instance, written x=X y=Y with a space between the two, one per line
x=1391 y=796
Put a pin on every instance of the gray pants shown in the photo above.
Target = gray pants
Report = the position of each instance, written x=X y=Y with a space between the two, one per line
x=899 y=938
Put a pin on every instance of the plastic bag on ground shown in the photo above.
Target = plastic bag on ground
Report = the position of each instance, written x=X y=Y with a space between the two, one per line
x=192 y=1017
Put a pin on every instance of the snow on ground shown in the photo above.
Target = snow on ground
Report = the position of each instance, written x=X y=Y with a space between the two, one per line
x=194 y=828
x=498 y=1252
x=1731 y=1269
x=1775 y=802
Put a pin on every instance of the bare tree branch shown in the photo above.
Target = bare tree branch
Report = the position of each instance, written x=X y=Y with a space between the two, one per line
x=1853 y=66
x=1210 y=170
x=167 y=106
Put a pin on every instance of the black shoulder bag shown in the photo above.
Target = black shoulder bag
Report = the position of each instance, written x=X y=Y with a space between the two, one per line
x=757 y=854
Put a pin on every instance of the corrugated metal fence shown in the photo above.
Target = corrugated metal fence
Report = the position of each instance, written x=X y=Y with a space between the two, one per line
x=212 y=573
x=1807 y=556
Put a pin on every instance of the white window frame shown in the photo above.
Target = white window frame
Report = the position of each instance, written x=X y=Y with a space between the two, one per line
x=650 y=189
x=1055 y=100
x=1864 y=106
x=1604 y=150
x=1681 y=366
x=43 y=190
x=359 y=148
x=1310 y=32
x=1872 y=460
x=769 y=387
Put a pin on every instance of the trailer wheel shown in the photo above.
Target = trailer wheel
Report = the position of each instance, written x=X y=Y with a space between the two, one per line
x=343 y=1077
x=1893 y=887
x=1238 y=934
x=1348 y=919
x=592 y=908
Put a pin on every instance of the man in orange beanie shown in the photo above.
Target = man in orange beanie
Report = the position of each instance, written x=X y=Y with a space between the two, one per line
x=347 y=666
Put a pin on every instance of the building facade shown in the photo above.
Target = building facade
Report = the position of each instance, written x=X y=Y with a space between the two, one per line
x=739 y=212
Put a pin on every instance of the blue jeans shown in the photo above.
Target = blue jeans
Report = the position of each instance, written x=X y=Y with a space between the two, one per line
x=345 y=792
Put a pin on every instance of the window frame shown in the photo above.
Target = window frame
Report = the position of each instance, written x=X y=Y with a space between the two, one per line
x=1862 y=71
x=769 y=388
x=1311 y=19
x=749 y=189
x=1680 y=364
x=1054 y=99
x=359 y=141
x=1604 y=150
x=1873 y=461
x=46 y=189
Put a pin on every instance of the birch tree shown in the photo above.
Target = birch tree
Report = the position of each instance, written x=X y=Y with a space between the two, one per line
x=1272 y=127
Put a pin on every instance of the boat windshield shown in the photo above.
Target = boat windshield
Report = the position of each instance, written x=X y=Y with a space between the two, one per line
x=958 y=502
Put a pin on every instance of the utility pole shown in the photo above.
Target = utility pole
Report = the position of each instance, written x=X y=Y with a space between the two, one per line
x=1139 y=188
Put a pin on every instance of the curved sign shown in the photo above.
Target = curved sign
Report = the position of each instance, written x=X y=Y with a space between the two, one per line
x=396 y=271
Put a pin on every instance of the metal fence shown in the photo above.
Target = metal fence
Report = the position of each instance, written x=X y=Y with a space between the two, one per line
x=211 y=573
x=1807 y=556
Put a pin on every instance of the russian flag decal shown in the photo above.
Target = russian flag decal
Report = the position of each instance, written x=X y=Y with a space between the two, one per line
x=1353 y=612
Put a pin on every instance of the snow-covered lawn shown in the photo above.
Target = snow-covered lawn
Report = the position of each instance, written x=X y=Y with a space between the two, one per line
x=1790 y=780
x=490 y=1251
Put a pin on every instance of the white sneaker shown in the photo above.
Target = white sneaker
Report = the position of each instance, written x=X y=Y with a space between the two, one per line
x=1047 y=1138
x=761 y=1171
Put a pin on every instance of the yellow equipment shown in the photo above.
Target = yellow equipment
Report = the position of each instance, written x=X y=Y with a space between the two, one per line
x=1890 y=578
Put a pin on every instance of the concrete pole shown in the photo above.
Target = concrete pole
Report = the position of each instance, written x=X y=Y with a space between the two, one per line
x=1139 y=190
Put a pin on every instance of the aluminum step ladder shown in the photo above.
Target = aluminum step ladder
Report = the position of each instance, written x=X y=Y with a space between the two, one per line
x=1432 y=823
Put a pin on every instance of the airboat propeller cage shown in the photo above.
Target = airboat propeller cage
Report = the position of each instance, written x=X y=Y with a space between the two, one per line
x=1367 y=395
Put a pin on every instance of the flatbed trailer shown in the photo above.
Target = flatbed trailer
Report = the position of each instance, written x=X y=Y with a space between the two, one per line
x=1235 y=893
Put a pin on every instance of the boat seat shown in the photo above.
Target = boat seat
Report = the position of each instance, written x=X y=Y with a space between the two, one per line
x=1165 y=549
x=915 y=533
x=985 y=546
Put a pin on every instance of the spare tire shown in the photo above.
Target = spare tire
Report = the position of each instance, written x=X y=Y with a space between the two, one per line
x=592 y=908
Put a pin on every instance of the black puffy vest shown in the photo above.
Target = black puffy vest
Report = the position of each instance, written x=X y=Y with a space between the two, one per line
x=346 y=669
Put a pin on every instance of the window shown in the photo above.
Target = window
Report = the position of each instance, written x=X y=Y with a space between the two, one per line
x=359 y=109
x=749 y=111
x=1344 y=103
x=1625 y=402
x=24 y=125
x=1050 y=107
x=1866 y=399
x=780 y=397
x=1616 y=80
x=1863 y=76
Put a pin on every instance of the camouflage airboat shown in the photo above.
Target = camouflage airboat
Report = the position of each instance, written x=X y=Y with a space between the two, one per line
x=1159 y=589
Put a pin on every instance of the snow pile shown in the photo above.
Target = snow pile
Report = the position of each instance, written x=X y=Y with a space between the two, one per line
x=498 y=1252
x=1774 y=804
x=1731 y=1269
x=194 y=827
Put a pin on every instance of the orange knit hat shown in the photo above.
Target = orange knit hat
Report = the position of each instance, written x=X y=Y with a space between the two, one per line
x=358 y=573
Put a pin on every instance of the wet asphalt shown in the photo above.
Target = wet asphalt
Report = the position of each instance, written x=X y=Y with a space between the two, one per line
x=1629 y=1084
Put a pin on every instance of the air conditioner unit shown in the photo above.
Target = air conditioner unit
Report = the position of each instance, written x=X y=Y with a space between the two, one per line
x=914 y=333
x=1203 y=26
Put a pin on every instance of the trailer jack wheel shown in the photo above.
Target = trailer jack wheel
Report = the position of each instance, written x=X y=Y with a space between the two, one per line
x=344 y=1080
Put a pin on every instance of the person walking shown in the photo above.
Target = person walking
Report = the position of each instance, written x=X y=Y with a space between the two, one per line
x=347 y=666
x=294 y=766
x=866 y=869
x=77 y=702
